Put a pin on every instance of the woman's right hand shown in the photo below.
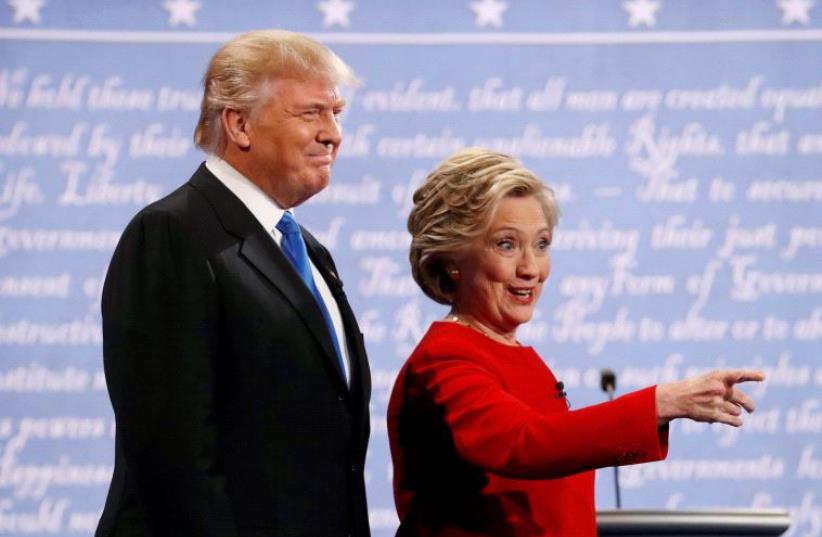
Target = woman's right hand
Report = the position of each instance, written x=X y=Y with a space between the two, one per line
x=712 y=397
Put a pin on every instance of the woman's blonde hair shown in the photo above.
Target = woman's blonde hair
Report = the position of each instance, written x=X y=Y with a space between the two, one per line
x=241 y=71
x=456 y=203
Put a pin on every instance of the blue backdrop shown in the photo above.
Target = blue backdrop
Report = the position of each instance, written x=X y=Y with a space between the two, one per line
x=683 y=140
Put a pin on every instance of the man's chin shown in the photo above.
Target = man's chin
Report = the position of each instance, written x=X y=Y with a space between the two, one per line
x=313 y=186
x=321 y=181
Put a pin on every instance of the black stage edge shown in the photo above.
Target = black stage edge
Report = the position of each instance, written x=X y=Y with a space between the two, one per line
x=736 y=522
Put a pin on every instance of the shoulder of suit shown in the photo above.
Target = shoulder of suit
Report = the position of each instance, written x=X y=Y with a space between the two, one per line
x=182 y=216
x=177 y=205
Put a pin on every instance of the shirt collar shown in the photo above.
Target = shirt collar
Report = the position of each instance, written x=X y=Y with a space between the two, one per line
x=264 y=209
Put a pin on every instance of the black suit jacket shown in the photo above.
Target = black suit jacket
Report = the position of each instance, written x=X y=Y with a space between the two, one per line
x=232 y=415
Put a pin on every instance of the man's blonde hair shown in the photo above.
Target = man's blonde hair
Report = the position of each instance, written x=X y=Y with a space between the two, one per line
x=241 y=71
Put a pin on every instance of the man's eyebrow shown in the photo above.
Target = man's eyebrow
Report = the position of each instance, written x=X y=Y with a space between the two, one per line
x=339 y=103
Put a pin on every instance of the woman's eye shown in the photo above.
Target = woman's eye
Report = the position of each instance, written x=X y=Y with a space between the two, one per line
x=543 y=244
x=505 y=244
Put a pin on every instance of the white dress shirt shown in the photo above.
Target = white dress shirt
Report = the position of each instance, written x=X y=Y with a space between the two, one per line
x=268 y=214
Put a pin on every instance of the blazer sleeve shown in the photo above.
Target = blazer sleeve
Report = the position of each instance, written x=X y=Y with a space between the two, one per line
x=498 y=432
x=160 y=340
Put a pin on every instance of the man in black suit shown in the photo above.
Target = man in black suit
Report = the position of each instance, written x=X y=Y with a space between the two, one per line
x=234 y=363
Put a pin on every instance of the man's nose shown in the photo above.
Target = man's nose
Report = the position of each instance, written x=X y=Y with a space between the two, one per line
x=330 y=132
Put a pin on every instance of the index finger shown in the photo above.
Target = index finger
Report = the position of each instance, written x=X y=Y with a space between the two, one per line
x=743 y=375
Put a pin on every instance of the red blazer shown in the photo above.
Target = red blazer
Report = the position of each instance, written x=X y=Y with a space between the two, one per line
x=483 y=443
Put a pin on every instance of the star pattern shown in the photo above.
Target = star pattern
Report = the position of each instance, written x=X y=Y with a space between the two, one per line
x=26 y=10
x=795 y=11
x=336 y=12
x=488 y=12
x=182 y=12
x=641 y=12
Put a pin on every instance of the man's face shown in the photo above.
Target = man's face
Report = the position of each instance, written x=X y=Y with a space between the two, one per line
x=294 y=137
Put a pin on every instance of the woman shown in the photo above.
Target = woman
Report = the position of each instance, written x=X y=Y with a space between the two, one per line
x=482 y=440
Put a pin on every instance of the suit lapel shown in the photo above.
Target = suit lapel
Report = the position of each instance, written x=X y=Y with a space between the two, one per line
x=260 y=250
x=356 y=354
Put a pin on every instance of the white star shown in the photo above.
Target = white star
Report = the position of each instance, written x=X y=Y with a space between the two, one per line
x=488 y=12
x=181 y=12
x=641 y=12
x=27 y=10
x=335 y=12
x=795 y=11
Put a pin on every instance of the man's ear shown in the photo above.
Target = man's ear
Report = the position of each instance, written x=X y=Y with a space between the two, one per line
x=235 y=125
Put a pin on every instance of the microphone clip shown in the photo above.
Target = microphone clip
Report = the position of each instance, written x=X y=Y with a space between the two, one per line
x=560 y=387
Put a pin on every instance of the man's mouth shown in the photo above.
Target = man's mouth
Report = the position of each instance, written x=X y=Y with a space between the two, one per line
x=321 y=160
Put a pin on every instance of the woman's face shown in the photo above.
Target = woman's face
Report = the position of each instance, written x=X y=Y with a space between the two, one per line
x=501 y=275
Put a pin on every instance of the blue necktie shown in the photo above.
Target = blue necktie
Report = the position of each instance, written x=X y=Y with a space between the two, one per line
x=294 y=248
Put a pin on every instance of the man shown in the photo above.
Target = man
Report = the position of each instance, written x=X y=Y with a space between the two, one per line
x=235 y=366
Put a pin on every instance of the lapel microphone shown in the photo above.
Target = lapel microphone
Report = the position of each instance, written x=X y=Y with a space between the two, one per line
x=560 y=387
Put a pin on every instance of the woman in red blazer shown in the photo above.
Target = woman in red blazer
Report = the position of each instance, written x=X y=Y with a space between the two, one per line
x=482 y=440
